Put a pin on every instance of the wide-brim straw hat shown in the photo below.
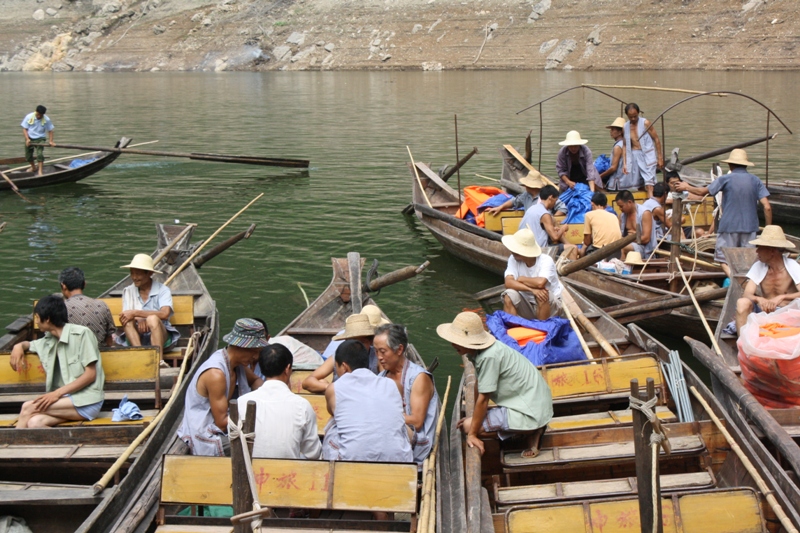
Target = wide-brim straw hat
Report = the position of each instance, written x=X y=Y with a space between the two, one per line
x=523 y=243
x=247 y=333
x=773 y=237
x=466 y=331
x=619 y=122
x=739 y=157
x=633 y=258
x=533 y=180
x=142 y=262
x=375 y=315
x=356 y=326
x=573 y=139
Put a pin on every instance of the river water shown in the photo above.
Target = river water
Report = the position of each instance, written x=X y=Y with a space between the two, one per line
x=354 y=127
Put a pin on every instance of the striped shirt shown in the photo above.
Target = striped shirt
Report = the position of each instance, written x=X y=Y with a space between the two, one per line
x=94 y=314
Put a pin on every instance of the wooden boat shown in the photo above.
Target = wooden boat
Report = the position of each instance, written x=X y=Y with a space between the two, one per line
x=584 y=478
x=56 y=173
x=779 y=429
x=154 y=504
x=47 y=474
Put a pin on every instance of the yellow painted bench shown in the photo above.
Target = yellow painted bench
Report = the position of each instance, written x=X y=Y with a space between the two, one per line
x=603 y=419
x=319 y=485
x=125 y=369
x=317 y=401
x=719 y=511
x=548 y=492
x=182 y=308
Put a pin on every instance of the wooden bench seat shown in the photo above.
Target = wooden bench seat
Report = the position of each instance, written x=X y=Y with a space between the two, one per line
x=104 y=419
x=548 y=492
x=321 y=485
x=579 y=456
x=717 y=511
x=603 y=419
x=63 y=452
x=182 y=307
x=317 y=401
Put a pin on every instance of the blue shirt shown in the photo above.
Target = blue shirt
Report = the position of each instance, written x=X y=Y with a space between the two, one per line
x=741 y=192
x=37 y=128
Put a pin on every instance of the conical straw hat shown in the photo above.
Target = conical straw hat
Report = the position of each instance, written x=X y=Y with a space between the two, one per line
x=773 y=237
x=573 y=139
x=467 y=331
x=739 y=157
x=142 y=262
x=523 y=243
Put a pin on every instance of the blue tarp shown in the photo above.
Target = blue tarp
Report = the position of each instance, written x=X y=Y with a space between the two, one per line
x=579 y=202
x=75 y=163
x=602 y=163
x=560 y=346
x=495 y=201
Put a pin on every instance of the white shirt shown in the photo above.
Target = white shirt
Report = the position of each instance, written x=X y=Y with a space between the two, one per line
x=302 y=354
x=286 y=424
x=543 y=268
x=758 y=271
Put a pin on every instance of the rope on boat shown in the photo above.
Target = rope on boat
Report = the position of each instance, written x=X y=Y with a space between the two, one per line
x=673 y=371
x=304 y=294
x=657 y=438
x=235 y=431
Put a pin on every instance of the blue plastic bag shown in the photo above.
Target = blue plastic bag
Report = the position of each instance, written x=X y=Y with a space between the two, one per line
x=560 y=346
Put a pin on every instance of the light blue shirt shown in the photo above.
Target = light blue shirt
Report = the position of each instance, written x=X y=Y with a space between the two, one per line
x=37 y=128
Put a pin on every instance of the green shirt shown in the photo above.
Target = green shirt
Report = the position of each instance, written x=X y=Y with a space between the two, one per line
x=74 y=351
x=513 y=382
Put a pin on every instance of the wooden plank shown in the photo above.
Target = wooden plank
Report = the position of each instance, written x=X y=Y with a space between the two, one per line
x=588 y=420
x=437 y=181
x=184 y=479
x=317 y=401
x=292 y=483
x=297 y=377
x=104 y=419
x=375 y=487
x=182 y=307
x=53 y=496
x=590 y=378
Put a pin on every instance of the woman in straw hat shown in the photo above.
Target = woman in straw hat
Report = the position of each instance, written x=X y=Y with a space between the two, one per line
x=613 y=178
x=359 y=327
x=525 y=404
x=775 y=274
x=575 y=164
x=741 y=194
x=146 y=307
x=533 y=290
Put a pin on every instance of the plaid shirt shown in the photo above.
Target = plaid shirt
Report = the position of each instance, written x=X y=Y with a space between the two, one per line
x=93 y=314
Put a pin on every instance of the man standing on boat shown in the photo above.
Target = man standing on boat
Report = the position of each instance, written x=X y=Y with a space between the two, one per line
x=85 y=311
x=146 y=307
x=642 y=150
x=415 y=384
x=575 y=164
x=741 y=194
x=777 y=277
x=613 y=178
x=37 y=129
x=525 y=404
x=539 y=219
x=205 y=416
x=533 y=290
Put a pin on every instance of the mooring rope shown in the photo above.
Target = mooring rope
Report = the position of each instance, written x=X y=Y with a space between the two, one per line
x=236 y=432
x=657 y=437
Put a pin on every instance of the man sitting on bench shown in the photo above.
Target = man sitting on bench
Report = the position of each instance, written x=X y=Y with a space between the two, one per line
x=71 y=361
x=286 y=425
x=368 y=423
x=776 y=275
x=525 y=404
x=146 y=307
x=85 y=311
x=533 y=290
x=216 y=382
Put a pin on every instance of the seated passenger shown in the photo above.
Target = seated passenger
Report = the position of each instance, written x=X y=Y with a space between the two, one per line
x=286 y=425
x=524 y=402
x=85 y=311
x=777 y=276
x=635 y=218
x=220 y=379
x=600 y=227
x=655 y=204
x=358 y=327
x=540 y=221
x=533 y=183
x=415 y=384
x=368 y=422
x=533 y=290
x=71 y=361
x=575 y=164
x=146 y=307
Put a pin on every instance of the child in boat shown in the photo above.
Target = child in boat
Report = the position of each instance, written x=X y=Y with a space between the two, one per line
x=525 y=404
x=71 y=360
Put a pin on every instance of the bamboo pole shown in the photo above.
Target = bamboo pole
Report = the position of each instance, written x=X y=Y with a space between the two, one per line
x=172 y=244
x=587 y=324
x=199 y=248
x=419 y=181
x=495 y=179
x=50 y=161
x=762 y=486
x=14 y=187
x=686 y=259
x=429 y=472
x=699 y=310
x=103 y=483
x=575 y=328
x=645 y=88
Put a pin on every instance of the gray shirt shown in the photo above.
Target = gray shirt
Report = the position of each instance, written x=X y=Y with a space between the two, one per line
x=533 y=221
x=741 y=192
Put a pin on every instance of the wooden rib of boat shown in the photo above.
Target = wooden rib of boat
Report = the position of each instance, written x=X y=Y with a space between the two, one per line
x=47 y=474
x=584 y=479
x=779 y=429
x=315 y=327
x=57 y=173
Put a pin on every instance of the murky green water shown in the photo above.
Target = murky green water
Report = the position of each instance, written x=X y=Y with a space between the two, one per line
x=354 y=127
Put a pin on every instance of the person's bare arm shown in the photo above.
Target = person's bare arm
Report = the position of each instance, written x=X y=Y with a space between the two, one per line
x=84 y=380
x=481 y=407
x=316 y=381
x=652 y=131
x=330 y=399
x=767 y=211
x=525 y=284
x=50 y=137
x=647 y=227
x=700 y=191
x=421 y=396
x=18 y=355
x=616 y=159
x=131 y=314
x=253 y=380
x=506 y=205
x=750 y=289
x=552 y=231
x=211 y=385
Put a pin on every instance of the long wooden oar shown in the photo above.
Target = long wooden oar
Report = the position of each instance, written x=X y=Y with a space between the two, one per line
x=588 y=325
x=427 y=514
x=50 y=161
x=14 y=187
x=762 y=486
x=419 y=181
x=199 y=248
x=223 y=158
x=699 y=310
x=576 y=329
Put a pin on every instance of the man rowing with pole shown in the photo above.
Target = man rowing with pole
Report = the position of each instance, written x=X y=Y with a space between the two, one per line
x=37 y=129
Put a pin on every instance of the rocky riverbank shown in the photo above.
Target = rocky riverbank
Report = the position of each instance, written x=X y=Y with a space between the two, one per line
x=151 y=35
